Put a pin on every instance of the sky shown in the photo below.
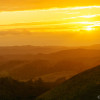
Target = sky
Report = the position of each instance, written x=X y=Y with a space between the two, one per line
x=49 y=22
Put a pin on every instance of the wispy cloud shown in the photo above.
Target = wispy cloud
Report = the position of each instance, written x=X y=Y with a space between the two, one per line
x=10 y=5
x=56 y=19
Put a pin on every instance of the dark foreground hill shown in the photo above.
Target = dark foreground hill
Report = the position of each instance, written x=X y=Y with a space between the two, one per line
x=11 y=89
x=84 y=86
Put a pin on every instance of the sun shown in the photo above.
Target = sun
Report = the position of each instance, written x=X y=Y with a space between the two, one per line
x=89 y=29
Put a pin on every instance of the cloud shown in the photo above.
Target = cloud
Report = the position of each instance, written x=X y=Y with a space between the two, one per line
x=14 y=32
x=10 y=5
x=35 y=23
x=69 y=38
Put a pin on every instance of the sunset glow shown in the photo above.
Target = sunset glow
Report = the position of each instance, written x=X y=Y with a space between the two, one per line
x=89 y=29
x=49 y=49
x=48 y=21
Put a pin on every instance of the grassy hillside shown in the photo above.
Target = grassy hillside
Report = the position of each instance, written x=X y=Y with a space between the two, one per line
x=84 y=86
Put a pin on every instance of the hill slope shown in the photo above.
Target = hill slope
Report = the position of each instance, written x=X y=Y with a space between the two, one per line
x=25 y=67
x=84 y=86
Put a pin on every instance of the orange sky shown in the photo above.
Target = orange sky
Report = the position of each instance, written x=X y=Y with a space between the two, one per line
x=49 y=22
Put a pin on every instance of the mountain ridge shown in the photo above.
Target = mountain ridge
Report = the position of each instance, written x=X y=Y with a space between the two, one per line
x=77 y=87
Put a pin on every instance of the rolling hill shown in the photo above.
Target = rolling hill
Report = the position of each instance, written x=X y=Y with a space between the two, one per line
x=46 y=66
x=95 y=46
x=84 y=86
x=28 y=49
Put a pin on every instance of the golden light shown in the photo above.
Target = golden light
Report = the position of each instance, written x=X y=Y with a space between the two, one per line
x=88 y=16
x=89 y=29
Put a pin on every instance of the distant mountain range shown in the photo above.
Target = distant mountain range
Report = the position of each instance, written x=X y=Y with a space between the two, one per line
x=28 y=49
x=50 y=66
x=84 y=86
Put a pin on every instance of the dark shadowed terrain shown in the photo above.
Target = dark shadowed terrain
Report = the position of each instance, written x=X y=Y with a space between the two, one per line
x=84 y=86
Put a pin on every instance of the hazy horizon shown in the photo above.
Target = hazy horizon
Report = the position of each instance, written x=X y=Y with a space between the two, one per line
x=48 y=22
x=50 y=45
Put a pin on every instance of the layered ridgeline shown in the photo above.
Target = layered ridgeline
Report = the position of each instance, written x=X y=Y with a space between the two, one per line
x=84 y=86
x=51 y=66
